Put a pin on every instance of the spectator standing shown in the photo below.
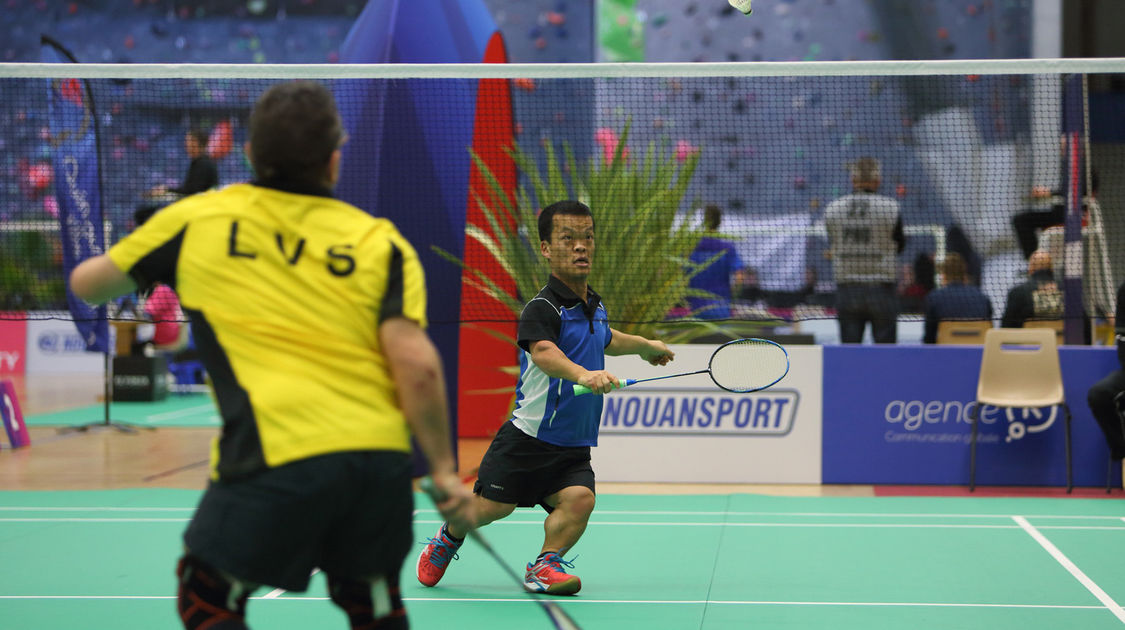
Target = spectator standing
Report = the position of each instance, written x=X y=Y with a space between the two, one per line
x=865 y=237
x=202 y=174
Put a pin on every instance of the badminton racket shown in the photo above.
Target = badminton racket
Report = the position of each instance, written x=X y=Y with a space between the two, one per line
x=559 y=618
x=740 y=366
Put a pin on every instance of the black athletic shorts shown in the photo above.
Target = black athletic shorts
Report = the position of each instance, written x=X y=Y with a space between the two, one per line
x=520 y=469
x=348 y=514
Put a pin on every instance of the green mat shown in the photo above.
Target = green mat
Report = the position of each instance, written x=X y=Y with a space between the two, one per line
x=103 y=559
x=177 y=410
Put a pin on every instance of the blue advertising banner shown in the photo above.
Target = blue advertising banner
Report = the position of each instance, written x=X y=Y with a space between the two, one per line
x=74 y=156
x=900 y=415
x=408 y=153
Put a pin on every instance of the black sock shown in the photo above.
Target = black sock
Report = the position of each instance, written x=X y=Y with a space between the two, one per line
x=445 y=530
x=543 y=555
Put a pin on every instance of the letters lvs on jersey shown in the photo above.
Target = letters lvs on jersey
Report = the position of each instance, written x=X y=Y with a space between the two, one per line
x=340 y=262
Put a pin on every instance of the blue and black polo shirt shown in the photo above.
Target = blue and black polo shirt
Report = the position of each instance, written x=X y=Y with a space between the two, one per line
x=546 y=408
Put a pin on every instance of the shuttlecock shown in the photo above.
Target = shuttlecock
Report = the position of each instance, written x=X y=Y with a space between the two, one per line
x=741 y=5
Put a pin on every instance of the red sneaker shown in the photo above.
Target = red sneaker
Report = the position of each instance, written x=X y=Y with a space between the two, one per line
x=436 y=556
x=547 y=575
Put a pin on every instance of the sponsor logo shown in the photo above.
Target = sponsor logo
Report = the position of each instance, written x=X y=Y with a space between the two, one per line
x=690 y=412
x=1023 y=421
x=923 y=421
x=131 y=380
x=51 y=342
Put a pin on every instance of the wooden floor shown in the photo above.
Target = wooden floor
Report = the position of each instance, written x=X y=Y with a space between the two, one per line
x=108 y=458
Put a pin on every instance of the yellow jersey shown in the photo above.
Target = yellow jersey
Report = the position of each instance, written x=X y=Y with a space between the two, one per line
x=285 y=292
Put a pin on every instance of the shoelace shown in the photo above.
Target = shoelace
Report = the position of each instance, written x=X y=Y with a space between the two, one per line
x=556 y=562
x=443 y=552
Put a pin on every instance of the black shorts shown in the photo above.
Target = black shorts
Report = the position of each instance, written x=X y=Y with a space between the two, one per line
x=523 y=470
x=348 y=514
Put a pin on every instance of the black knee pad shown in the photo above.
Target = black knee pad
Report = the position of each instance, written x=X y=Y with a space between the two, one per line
x=369 y=604
x=207 y=599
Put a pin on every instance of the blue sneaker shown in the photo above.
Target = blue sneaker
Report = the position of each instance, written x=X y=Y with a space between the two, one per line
x=436 y=556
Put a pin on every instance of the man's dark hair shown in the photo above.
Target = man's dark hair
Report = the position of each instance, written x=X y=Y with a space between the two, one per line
x=200 y=135
x=547 y=216
x=294 y=129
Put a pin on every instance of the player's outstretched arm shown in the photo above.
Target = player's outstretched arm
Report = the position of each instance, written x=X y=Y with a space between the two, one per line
x=549 y=358
x=97 y=280
x=654 y=351
x=417 y=371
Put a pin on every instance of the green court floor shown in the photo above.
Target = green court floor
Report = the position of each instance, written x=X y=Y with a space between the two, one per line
x=177 y=410
x=104 y=559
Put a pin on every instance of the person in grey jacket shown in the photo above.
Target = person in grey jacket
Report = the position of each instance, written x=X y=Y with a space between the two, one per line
x=865 y=237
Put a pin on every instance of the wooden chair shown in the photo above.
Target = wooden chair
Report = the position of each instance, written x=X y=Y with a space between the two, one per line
x=962 y=331
x=1019 y=367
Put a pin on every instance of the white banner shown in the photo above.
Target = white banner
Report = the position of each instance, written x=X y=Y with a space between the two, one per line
x=774 y=247
x=55 y=346
x=688 y=430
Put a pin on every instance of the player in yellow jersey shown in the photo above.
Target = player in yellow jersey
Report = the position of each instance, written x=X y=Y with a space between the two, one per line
x=309 y=315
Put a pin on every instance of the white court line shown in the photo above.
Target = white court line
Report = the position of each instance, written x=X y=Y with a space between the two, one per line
x=540 y=523
x=88 y=597
x=277 y=592
x=95 y=509
x=87 y=508
x=1079 y=527
x=179 y=413
x=47 y=519
x=94 y=520
x=1085 y=580
x=852 y=525
x=856 y=514
x=680 y=602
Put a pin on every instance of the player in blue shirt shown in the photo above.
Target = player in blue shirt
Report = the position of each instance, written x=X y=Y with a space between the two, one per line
x=542 y=455
x=725 y=268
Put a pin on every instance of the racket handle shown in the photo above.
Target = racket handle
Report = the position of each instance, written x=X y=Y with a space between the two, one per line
x=582 y=390
x=427 y=486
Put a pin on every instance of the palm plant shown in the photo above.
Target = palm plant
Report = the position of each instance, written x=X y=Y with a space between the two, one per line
x=642 y=260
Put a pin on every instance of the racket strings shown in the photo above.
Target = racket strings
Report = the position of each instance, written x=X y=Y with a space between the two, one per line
x=748 y=364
